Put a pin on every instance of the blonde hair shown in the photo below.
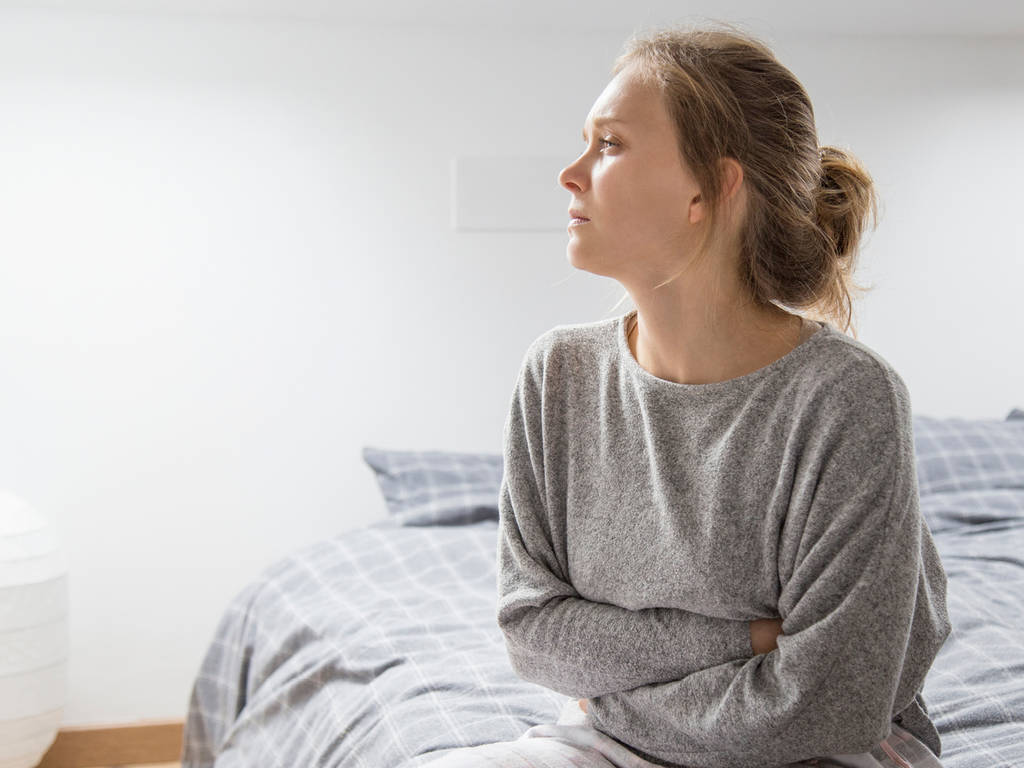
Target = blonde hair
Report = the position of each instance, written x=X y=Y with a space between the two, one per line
x=807 y=206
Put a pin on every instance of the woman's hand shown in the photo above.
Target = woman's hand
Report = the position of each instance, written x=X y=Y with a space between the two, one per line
x=583 y=704
x=763 y=635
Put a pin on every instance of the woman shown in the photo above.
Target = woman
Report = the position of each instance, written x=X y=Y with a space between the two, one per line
x=709 y=528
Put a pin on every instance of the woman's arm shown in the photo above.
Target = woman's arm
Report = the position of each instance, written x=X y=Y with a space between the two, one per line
x=763 y=639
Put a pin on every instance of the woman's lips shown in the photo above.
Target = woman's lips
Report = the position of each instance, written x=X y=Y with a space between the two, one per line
x=578 y=222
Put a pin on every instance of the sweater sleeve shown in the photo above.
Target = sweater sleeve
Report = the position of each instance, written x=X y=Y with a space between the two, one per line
x=555 y=637
x=848 y=599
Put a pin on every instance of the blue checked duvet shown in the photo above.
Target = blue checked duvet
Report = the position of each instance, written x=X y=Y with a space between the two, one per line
x=379 y=647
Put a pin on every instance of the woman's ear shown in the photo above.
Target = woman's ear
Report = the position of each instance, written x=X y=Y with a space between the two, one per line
x=697 y=209
x=732 y=180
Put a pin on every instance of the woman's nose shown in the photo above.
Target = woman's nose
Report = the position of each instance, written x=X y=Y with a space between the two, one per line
x=569 y=176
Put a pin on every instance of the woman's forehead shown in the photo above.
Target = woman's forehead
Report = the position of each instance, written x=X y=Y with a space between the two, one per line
x=629 y=99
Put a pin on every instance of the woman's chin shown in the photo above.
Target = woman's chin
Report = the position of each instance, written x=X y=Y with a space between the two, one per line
x=579 y=260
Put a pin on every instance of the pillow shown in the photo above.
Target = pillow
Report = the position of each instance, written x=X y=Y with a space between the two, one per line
x=968 y=454
x=437 y=487
x=970 y=471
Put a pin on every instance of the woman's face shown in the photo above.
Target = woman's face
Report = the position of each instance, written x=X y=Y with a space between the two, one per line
x=631 y=183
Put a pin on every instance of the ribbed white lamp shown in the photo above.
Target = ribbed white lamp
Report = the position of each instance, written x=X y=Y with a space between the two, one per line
x=33 y=633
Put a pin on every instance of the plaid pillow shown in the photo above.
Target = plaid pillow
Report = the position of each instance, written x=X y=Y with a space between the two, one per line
x=970 y=471
x=968 y=454
x=437 y=487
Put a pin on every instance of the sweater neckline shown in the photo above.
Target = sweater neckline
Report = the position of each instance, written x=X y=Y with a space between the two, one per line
x=647 y=378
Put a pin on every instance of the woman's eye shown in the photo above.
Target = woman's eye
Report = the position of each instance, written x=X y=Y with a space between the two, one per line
x=603 y=141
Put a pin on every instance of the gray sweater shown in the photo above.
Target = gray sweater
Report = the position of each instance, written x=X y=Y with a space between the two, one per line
x=644 y=523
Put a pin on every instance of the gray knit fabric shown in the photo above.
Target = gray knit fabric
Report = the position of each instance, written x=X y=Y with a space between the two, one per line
x=644 y=523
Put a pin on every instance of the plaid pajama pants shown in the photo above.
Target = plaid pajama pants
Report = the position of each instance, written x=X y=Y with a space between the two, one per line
x=571 y=744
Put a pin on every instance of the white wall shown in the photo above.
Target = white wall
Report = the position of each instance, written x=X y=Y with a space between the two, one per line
x=227 y=265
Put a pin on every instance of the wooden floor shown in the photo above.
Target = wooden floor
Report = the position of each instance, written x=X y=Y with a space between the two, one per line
x=144 y=744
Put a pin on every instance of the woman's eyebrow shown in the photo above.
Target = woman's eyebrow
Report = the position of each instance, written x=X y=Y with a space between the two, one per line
x=603 y=121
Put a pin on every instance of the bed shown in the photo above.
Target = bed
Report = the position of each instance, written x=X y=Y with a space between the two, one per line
x=379 y=647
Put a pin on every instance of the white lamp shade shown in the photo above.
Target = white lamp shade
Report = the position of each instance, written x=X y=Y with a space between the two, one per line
x=33 y=633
